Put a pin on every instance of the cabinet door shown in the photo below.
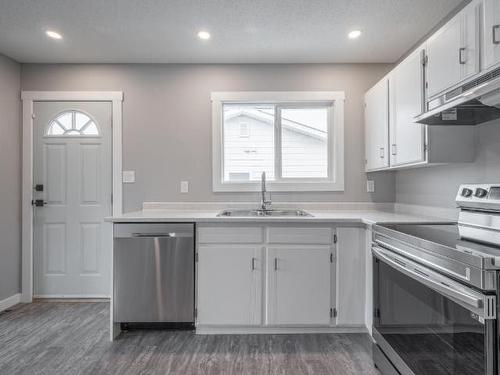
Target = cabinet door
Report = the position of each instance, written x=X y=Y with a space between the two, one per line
x=298 y=285
x=453 y=52
x=443 y=52
x=229 y=285
x=491 y=33
x=377 y=126
x=351 y=258
x=469 y=47
x=406 y=93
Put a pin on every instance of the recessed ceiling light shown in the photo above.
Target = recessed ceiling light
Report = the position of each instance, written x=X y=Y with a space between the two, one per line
x=53 y=34
x=205 y=35
x=354 y=34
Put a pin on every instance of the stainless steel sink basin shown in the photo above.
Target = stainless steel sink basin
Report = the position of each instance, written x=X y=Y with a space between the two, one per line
x=264 y=213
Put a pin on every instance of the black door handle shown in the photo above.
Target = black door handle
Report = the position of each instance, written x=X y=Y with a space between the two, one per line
x=38 y=202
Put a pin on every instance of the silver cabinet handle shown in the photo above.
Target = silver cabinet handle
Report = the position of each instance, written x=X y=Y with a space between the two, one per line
x=275 y=264
x=253 y=264
x=382 y=153
x=494 y=34
x=461 y=56
x=394 y=150
x=445 y=289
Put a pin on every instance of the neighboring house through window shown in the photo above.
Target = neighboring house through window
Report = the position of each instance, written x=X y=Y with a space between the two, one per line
x=295 y=137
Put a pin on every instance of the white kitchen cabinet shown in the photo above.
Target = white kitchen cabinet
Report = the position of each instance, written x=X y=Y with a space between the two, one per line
x=453 y=51
x=377 y=126
x=351 y=260
x=298 y=285
x=491 y=33
x=229 y=285
x=411 y=144
x=406 y=100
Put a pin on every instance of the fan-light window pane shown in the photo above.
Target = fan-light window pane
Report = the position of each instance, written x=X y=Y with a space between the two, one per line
x=72 y=123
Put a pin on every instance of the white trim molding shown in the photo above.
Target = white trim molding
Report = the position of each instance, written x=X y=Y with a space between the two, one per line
x=334 y=100
x=8 y=302
x=28 y=98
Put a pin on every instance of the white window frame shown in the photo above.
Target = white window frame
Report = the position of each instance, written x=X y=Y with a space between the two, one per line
x=335 y=180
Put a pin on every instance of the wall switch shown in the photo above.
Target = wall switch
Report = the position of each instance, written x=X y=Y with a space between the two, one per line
x=184 y=186
x=128 y=177
x=370 y=186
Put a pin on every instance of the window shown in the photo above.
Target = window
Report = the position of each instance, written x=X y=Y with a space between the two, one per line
x=295 y=137
x=72 y=123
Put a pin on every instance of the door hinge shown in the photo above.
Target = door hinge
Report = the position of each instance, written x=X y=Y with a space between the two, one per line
x=335 y=238
x=333 y=312
x=425 y=59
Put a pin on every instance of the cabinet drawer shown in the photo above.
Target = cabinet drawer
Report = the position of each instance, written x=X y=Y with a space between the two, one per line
x=230 y=235
x=292 y=235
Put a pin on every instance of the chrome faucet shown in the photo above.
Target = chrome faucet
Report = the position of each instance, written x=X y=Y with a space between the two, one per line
x=264 y=203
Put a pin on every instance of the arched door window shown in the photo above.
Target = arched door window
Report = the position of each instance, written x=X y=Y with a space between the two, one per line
x=72 y=123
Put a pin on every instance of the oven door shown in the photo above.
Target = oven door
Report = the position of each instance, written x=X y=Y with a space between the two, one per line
x=426 y=323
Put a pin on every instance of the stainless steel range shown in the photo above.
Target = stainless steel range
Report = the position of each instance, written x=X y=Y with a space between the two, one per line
x=436 y=288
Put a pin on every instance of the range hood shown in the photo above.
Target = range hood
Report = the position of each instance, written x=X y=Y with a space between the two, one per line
x=472 y=103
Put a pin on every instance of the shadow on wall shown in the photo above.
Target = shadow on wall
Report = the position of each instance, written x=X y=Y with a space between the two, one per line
x=438 y=185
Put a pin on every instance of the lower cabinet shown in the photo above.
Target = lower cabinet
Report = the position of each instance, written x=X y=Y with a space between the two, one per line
x=303 y=277
x=229 y=285
x=298 y=285
x=351 y=271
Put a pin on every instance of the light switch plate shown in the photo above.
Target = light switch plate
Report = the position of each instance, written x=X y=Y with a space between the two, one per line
x=184 y=186
x=128 y=177
x=370 y=186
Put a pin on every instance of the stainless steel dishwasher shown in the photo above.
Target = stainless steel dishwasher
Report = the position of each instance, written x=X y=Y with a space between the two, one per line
x=153 y=278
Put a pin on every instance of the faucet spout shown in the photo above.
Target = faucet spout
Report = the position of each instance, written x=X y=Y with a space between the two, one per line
x=264 y=203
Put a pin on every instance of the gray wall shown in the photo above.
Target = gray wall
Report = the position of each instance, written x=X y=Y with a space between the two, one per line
x=167 y=126
x=437 y=186
x=10 y=172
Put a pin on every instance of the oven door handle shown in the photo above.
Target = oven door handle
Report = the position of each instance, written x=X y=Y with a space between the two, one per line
x=475 y=301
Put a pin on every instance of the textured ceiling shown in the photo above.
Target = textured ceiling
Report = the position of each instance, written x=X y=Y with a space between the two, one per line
x=243 y=31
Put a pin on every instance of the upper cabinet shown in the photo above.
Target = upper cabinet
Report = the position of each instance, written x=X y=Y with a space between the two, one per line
x=448 y=58
x=453 y=51
x=377 y=126
x=491 y=33
x=406 y=98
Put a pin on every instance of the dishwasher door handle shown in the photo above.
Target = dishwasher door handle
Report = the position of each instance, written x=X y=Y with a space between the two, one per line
x=161 y=235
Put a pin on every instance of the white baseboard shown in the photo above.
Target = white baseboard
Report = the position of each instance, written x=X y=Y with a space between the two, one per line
x=214 y=330
x=10 y=301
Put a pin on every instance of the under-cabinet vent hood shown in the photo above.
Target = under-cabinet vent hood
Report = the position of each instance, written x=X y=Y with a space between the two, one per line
x=472 y=103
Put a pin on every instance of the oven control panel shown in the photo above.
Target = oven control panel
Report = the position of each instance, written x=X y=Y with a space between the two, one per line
x=479 y=196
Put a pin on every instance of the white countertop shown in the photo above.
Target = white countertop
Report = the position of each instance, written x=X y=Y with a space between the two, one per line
x=332 y=216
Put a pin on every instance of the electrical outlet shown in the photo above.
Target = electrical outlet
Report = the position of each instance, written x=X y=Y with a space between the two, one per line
x=184 y=186
x=370 y=186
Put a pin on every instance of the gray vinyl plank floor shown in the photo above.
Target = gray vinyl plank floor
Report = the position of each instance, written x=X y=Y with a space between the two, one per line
x=73 y=338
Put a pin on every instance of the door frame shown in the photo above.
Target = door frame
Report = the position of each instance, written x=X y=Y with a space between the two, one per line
x=28 y=100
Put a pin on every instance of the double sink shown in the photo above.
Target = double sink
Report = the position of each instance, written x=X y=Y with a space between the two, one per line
x=264 y=213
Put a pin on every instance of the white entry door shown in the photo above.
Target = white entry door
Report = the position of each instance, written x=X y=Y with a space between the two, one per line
x=72 y=177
